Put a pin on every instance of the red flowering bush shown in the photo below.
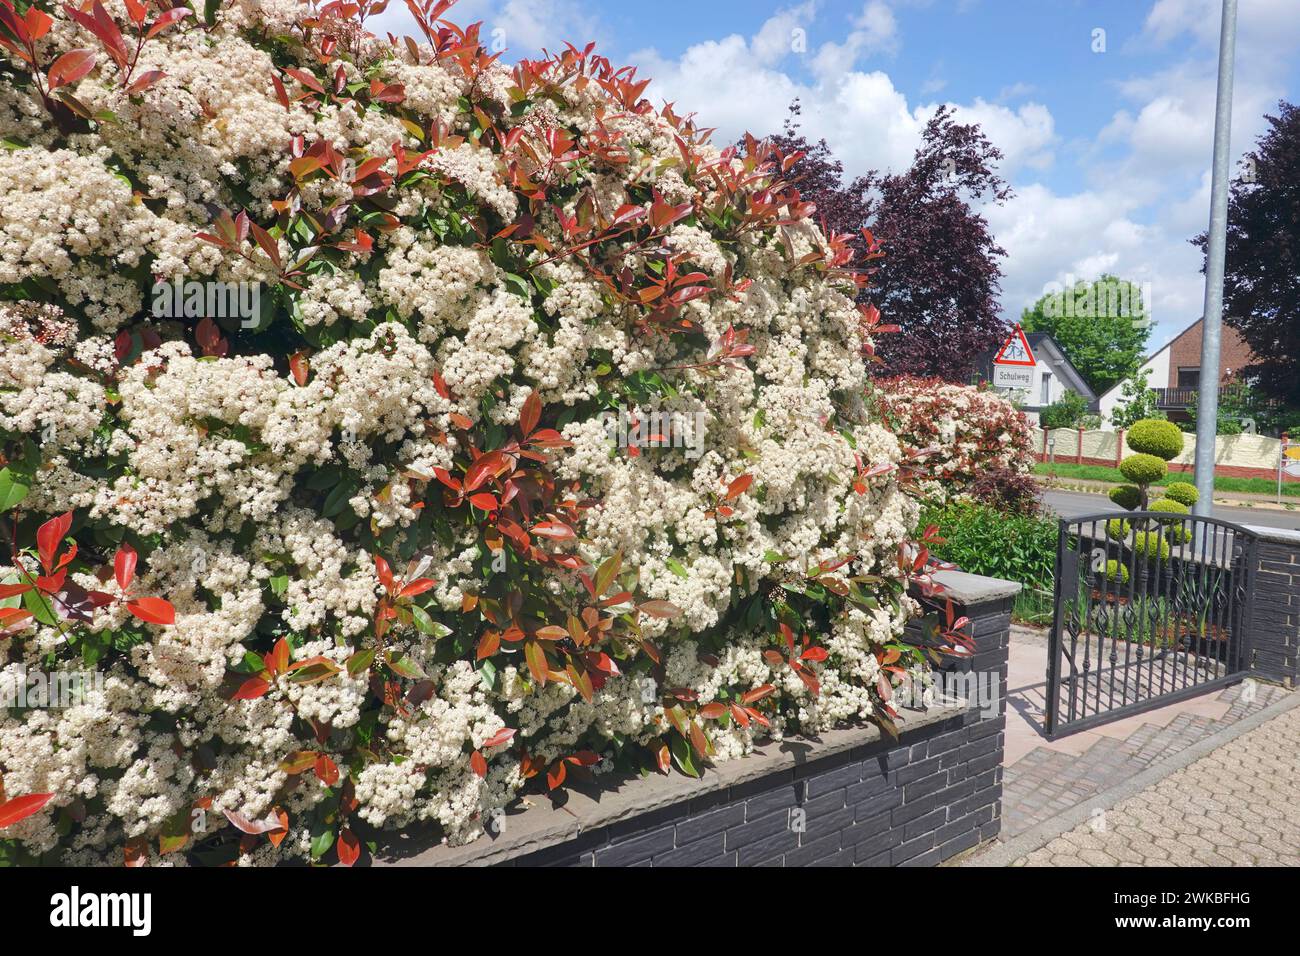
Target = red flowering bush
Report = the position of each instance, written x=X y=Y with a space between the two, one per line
x=960 y=432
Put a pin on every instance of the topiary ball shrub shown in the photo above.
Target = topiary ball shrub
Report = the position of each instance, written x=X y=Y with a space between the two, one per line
x=409 y=429
x=1143 y=469
x=1184 y=492
x=1117 y=529
x=1150 y=545
x=1151 y=436
x=1127 y=497
x=1116 y=571
x=1175 y=529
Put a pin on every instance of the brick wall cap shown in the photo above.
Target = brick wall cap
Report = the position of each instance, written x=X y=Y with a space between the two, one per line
x=1280 y=535
x=538 y=825
x=971 y=589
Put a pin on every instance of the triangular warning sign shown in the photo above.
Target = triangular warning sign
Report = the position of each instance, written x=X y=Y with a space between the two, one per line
x=1015 y=350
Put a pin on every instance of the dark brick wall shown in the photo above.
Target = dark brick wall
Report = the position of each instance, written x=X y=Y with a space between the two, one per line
x=917 y=802
x=1275 y=613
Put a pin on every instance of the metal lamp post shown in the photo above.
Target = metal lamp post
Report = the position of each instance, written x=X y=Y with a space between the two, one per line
x=1207 y=403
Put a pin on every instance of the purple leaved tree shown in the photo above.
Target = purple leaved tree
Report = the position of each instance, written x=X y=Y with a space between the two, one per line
x=939 y=279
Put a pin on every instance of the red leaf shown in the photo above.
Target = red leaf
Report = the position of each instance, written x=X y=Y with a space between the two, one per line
x=252 y=827
x=145 y=80
x=531 y=413
x=739 y=486
x=152 y=610
x=488 y=466
x=277 y=836
x=478 y=764
x=500 y=737
x=251 y=689
x=20 y=808
x=299 y=367
x=166 y=20
x=124 y=566
x=555 y=776
x=553 y=529
x=385 y=573
x=484 y=501
x=50 y=535
x=418 y=586
x=349 y=847
x=11 y=590
x=9 y=616
x=814 y=654
x=71 y=67
x=327 y=771
x=660 y=609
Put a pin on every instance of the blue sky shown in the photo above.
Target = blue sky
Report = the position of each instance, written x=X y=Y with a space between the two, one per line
x=1108 y=150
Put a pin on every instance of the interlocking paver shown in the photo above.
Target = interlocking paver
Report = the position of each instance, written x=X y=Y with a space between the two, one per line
x=1197 y=816
x=1042 y=782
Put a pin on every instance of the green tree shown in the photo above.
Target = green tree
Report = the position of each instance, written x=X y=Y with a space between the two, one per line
x=1102 y=326
x=1136 y=401
x=1068 y=411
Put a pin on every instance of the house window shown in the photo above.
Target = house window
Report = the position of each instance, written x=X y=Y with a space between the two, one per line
x=1189 y=377
x=1045 y=398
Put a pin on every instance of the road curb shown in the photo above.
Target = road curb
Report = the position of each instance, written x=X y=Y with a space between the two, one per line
x=1004 y=854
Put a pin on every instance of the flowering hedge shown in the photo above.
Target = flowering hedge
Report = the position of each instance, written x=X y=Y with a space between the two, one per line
x=966 y=431
x=392 y=566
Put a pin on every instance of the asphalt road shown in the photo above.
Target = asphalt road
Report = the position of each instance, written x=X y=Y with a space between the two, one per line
x=1075 y=504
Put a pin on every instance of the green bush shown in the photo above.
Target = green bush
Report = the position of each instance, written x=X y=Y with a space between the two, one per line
x=1149 y=544
x=1175 y=530
x=1116 y=571
x=983 y=540
x=1150 y=436
x=1117 y=529
x=1066 y=412
x=1184 y=492
x=1143 y=469
x=1126 y=496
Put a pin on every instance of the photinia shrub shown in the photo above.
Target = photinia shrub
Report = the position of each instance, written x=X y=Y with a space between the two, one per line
x=960 y=434
x=418 y=429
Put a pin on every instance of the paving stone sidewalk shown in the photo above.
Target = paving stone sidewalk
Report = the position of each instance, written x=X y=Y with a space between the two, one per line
x=1047 y=781
x=1237 y=806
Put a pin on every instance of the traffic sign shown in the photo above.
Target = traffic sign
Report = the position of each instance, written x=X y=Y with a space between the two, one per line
x=1291 y=460
x=1013 y=376
x=1015 y=350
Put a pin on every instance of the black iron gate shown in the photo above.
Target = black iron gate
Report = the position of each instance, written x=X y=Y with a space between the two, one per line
x=1150 y=607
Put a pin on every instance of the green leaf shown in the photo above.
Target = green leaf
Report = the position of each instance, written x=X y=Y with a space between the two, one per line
x=426 y=624
x=12 y=489
x=682 y=755
x=321 y=843
x=406 y=667
x=40 y=608
x=677 y=568
x=279 y=584
x=360 y=662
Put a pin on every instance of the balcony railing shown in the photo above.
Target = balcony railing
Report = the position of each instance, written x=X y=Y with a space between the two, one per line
x=1174 y=397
